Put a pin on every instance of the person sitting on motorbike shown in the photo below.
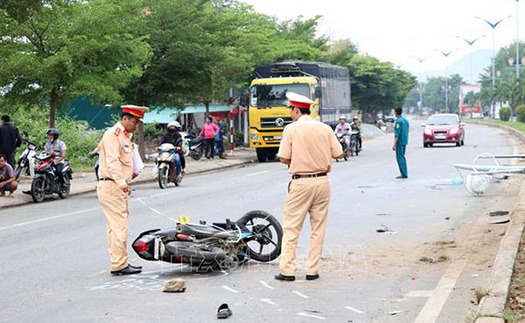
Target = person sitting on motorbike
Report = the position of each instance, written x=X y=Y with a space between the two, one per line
x=343 y=129
x=58 y=147
x=356 y=126
x=174 y=136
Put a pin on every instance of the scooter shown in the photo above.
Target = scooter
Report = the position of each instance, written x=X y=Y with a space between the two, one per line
x=164 y=163
x=26 y=164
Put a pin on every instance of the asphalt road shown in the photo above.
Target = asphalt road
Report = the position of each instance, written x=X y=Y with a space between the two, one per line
x=437 y=250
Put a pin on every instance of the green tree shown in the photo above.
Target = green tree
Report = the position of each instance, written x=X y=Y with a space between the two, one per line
x=377 y=86
x=57 y=50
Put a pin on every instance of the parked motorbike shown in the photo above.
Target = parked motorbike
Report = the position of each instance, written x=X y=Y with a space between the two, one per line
x=46 y=182
x=196 y=147
x=163 y=162
x=354 y=143
x=256 y=235
x=342 y=140
x=26 y=162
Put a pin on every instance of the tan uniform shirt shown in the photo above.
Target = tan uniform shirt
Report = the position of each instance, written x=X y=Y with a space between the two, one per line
x=116 y=155
x=314 y=146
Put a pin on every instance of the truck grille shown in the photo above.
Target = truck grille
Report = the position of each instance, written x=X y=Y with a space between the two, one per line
x=275 y=122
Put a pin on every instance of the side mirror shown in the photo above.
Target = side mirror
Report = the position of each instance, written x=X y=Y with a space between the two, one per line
x=423 y=125
x=462 y=124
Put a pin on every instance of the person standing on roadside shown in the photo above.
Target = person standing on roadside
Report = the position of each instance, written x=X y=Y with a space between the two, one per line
x=9 y=140
x=307 y=147
x=400 y=142
x=209 y=131
x=219 y=137
x=113 y=189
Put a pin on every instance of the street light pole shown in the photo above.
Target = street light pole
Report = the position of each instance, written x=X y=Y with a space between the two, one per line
x=493 y=26
x=470 y=43
x=517 y=44
x=446 y=79
x=420 y=60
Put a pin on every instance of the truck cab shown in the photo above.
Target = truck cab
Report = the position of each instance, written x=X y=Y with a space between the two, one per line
x=268 y=112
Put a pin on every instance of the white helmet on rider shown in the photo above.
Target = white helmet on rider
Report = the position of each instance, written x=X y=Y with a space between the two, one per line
x=174 y=124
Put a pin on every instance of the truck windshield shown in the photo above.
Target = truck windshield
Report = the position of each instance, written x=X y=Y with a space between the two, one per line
x=265 y=96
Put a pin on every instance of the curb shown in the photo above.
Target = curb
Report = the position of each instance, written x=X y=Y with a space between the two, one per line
x=491 y=307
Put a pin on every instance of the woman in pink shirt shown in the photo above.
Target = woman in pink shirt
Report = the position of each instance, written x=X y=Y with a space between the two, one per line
x=209 y=131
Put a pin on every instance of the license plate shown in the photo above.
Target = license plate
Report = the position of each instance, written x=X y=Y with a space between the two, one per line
x=441 y=137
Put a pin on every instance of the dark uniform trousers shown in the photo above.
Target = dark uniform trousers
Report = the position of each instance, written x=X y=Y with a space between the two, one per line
x=305 y=196
x=114 y=203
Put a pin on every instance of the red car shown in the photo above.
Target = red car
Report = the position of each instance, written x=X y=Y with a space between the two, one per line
x=443 y=128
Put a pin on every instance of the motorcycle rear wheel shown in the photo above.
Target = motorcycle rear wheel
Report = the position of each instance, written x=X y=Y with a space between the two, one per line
x=265 y=245
x=37 y=189
x=197 y=153
x=163 y=177
x=18 y=171
x=64 y=191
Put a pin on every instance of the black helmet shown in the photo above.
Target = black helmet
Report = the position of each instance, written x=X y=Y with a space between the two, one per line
x=53 y=132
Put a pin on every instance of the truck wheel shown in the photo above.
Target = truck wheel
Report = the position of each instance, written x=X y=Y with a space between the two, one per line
x=261 y=155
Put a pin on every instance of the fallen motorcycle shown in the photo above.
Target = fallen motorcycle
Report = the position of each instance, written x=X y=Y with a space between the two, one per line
x=256 y=235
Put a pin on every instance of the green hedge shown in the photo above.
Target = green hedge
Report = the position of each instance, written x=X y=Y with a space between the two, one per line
x=504 y=113
x=520 y=113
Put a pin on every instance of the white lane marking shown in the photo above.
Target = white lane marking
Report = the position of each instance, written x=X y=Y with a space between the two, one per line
x=354 y=309
x=231 y=289
x=265 y=284
x=258 y=173
x=146 y=205
x=436 y=301
x=419 y=293
x=267 y=300
x=300 y=294
x=310 y=315
x=48 y=219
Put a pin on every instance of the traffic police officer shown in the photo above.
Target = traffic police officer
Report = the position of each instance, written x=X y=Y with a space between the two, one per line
x=113 y=189
x=307 y=147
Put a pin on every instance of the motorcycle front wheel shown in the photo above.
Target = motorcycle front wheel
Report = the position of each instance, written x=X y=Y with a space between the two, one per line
x=163 y=177
x=38 y=189
x=266 y=238
x=18 y=171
